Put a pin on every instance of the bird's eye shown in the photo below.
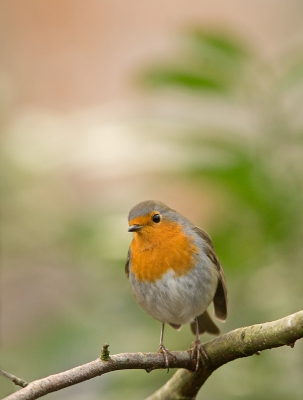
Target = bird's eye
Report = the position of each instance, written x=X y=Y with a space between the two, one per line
x=156 y=218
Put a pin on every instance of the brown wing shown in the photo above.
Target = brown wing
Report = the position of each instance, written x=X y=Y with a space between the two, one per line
x=220 y=298
x=127 y=264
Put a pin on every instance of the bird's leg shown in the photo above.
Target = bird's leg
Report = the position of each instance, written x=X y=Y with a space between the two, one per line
x=162 y=349
x=197 y=347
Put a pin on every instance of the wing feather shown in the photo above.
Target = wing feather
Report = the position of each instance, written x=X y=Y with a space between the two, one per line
x=127 y=264
x=220 y=298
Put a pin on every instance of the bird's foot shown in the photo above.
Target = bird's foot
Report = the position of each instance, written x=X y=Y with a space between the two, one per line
x=162 y=349
x=197 y=349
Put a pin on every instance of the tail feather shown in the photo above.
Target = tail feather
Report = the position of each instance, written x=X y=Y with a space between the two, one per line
x=175 y=326
x=206 y=324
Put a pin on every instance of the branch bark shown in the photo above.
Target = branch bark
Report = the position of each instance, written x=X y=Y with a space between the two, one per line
x=185 y=384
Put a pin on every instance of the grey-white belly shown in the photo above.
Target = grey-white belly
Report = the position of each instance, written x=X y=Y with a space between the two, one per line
x=177 y=299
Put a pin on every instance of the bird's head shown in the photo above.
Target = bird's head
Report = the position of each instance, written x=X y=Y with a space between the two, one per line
x=148 y=217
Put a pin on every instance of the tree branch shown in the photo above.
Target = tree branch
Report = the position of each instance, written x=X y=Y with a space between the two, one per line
x=242 y=342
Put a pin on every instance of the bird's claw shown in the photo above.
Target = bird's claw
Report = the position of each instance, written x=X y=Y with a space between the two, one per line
x=197 y=348
x=165 y=352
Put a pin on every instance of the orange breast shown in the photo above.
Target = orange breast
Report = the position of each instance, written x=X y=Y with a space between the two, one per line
x=157 y=249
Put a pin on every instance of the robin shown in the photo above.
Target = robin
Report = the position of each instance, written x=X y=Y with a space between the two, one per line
x=174 y=272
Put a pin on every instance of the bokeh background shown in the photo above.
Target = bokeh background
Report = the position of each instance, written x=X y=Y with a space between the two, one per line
x=107 y=103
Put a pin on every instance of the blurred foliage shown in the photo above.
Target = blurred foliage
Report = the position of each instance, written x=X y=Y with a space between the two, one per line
x=211 y=62
x=260 y=174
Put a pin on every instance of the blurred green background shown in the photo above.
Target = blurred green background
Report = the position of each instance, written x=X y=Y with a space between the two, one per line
x=104 y=105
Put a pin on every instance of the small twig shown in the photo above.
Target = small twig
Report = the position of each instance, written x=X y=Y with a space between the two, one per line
x=14 y=379
x=105 y=352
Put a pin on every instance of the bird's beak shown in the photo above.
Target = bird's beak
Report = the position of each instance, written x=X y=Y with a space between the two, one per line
x=135 y=228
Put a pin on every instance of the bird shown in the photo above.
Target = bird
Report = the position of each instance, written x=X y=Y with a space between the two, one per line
x=174 y=272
